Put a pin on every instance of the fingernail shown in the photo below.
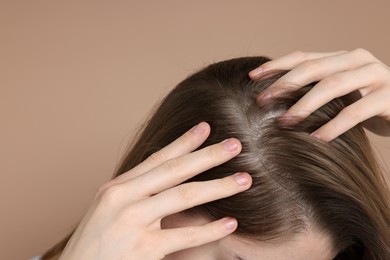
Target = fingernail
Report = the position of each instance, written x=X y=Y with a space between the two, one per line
x=316 y=135
x=230 y=145
x=198 y=129
x=230 y=223
x=241 y=178
x=257 y=71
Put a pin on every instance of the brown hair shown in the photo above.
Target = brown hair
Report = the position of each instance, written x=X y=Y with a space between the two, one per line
x=298 y=181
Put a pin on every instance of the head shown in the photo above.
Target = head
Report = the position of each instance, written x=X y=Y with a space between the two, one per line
x=309 y=199
x=303 y=189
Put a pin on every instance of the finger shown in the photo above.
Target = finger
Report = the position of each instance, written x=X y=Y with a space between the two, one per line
x=186 y=143
x=334 y=86
x=189 y=195
x=317 y=69
x=289 y=61
x=178 y=170
x=352 y=115
x=182 y=238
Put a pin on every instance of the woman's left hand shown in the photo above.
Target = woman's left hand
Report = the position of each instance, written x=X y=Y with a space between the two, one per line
x=357 y=73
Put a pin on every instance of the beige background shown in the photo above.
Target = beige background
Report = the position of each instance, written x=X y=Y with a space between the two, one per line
x=77 y=77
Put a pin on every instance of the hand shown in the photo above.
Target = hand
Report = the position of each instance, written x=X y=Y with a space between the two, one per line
x=357 y=73
x=124 y=220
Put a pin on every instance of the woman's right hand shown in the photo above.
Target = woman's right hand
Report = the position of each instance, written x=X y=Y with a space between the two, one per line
x=124 y=221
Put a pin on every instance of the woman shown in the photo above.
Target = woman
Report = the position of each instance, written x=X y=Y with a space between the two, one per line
x=299 y=192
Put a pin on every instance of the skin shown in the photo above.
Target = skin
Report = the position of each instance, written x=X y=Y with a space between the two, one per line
x=357 y=73
x=125 y=222
x=308 y=245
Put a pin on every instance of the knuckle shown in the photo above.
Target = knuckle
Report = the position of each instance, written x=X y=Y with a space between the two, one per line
x=157 y=158
x=227 y=184
x=213 y=152
x=331 y=87
x=188 y=140
x=330 y=81
x=226 y=187
x=173 y=165
x=104 y=187
x=333 y=126
x=351 y=113
x=299 y=54
x=100 y=190
x=363 y=53
x=309 y=64
x=187 y=192
x=111 y=196
x=217 y=230
x=190 y=235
